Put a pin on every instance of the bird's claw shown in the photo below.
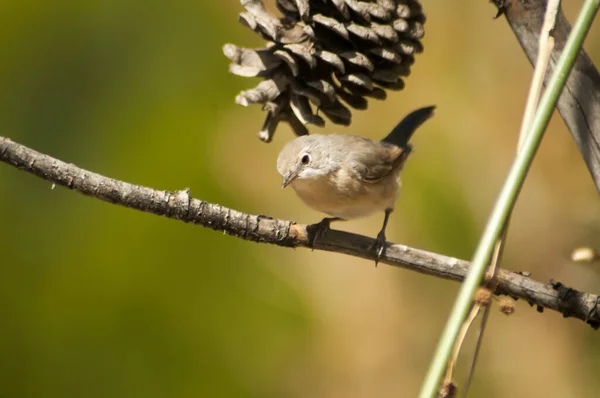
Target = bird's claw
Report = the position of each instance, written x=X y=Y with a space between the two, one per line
x=379 y=246
x=318 y=230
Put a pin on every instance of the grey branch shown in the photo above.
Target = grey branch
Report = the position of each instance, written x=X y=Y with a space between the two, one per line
x=579 y=104
x=180 y=206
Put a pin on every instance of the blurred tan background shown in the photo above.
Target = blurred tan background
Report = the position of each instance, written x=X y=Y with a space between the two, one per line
x=101 y=301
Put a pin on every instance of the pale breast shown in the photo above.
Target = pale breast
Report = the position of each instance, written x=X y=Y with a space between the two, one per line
x=340 y=195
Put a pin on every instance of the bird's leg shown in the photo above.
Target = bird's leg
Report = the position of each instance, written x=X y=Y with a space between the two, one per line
x=319 y=229
x=379 y=244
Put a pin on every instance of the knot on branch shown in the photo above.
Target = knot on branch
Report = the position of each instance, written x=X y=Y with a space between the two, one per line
x=570 y=299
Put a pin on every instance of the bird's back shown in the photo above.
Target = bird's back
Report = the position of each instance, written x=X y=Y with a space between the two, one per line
x=367 y=160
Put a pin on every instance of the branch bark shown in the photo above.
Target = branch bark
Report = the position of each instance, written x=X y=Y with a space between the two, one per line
x=579 y=104
x=263 y=229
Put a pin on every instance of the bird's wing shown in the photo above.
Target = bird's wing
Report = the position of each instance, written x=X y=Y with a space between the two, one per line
x=371 y=161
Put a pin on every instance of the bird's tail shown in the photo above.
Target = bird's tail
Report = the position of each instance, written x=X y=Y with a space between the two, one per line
x=401 y=134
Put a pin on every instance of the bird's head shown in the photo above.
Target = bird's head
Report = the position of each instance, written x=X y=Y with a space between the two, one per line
x=305 y=157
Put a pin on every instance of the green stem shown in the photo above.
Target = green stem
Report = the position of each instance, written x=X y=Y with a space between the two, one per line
x=508 y=197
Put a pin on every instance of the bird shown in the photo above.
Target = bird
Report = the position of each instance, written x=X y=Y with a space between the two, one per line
x=350 y=176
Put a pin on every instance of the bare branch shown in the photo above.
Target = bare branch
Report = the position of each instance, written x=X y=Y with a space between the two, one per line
x=180 y=206
x=579 y=104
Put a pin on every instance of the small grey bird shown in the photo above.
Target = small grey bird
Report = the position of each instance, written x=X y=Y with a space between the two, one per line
x=348 y=176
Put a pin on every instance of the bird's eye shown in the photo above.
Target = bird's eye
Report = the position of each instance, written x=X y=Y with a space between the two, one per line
x=305 y=159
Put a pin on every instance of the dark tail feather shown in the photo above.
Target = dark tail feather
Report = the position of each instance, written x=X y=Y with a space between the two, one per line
x=401 y=134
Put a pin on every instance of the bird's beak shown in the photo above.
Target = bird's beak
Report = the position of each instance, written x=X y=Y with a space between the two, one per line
x=290 y=177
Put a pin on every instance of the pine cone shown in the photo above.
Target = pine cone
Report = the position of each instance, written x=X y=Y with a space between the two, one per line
x=324 y=51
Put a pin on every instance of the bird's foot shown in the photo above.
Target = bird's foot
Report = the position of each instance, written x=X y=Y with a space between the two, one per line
x=379 y=246
x=318 y=230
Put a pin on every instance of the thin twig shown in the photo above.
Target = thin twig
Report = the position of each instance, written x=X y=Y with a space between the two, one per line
x=459 y=342
x=579 y=103
x=479 y=306
x=546 y=45
x=263 y=229
x=485 y=315
x=485 y=309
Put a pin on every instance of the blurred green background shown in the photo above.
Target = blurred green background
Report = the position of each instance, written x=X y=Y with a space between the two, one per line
x=98 y=300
